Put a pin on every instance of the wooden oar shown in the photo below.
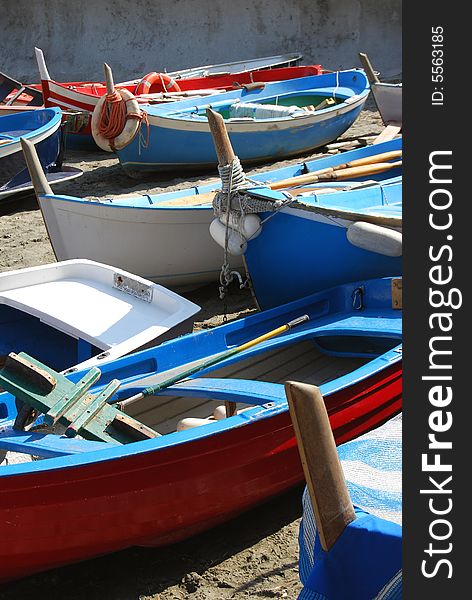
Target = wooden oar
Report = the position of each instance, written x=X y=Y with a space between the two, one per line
x=344 y=171
x=324 y=476
x=314 y=177
x=208 y=362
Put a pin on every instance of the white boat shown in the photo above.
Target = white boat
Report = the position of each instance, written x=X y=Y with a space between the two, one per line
x=167 y=244
x=387 y=96
x=251 y=64
x=81 y=313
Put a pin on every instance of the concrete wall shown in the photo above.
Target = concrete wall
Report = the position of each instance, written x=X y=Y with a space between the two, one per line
x=138 y=36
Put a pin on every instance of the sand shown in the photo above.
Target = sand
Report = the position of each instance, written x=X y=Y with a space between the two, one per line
x=253 y=556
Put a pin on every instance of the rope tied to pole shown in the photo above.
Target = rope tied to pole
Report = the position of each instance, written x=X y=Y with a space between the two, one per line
x=232 y=180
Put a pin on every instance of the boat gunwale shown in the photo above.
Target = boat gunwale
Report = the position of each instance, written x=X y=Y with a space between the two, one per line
x=34 y=135
x=168 y=441
x=266 y=177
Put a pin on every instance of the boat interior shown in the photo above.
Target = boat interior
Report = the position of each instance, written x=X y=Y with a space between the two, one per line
x=290 y=104
x=305 y=361
x=314 y=360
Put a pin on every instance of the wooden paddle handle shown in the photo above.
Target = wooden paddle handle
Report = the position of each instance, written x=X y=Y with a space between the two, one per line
x=371 y=160
x=330 y=175
x=223 y=147
x=324 y=476
x=362 y=171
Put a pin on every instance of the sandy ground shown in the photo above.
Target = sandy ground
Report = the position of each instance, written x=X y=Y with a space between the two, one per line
x=253 y=556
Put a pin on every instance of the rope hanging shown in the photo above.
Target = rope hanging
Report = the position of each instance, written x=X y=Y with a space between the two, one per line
x=113 y=117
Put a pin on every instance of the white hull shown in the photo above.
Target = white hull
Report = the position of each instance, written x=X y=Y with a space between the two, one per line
x=388 y=97
x=110 y=308
x=170 y=246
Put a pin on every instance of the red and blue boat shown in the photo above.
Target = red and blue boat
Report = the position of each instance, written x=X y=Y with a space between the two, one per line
x=205 y=464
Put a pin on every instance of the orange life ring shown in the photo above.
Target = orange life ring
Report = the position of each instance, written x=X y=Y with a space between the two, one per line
x=167 y=83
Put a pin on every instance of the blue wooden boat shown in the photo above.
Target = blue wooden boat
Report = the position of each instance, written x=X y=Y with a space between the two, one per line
x=313 y=230
x=321 y=240
x=217 y=464
x=43 y=128
x=366 y=559
x=280 y=120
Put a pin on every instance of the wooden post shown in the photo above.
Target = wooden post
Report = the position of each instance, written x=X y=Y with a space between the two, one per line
x=38 y=177
x=369 y=71
x=231 y=408
x=109 y=78
x=223 y=147
x=324 y=476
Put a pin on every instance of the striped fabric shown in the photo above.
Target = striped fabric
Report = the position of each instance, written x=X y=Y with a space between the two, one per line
x=372 y=466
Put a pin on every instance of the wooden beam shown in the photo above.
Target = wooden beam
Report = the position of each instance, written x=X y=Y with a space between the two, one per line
x=324 y=476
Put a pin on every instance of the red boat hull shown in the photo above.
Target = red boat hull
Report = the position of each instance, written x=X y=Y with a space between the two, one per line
x=56 y=517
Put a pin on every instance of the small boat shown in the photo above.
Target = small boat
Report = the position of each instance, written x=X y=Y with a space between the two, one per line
x=315 y=229
x=290 y=59
x=43 y=128
x=329 y=237
x=17 y=97
x=350 y=533
x=279 y=120
x=216 y=437
x=80 y=98
x=163 y=237
x=79 y=313
x=387 y=96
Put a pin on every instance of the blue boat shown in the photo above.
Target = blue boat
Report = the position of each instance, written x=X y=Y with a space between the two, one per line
x=366 y=559
x=280 y=120
x=335 y=233
x=219 y=439
x=43 y=128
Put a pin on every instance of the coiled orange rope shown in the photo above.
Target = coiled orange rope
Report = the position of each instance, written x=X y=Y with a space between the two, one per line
x=113 y=117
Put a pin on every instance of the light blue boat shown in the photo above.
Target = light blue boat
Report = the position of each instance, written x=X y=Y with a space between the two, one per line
x=324 y=238
x=43 y=128
x=280 y=120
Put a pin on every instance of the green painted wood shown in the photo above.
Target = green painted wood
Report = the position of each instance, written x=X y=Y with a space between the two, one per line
x=70 y=404
x=65 y=403
x=89 y=412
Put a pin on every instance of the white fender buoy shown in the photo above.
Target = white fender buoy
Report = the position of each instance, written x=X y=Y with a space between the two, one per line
x=236 y=243
x=220 y=412
x=249 y=225
x=375 y=238
x=191 y=422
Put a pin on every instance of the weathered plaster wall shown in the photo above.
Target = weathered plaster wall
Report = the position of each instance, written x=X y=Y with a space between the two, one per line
x=138 y=36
